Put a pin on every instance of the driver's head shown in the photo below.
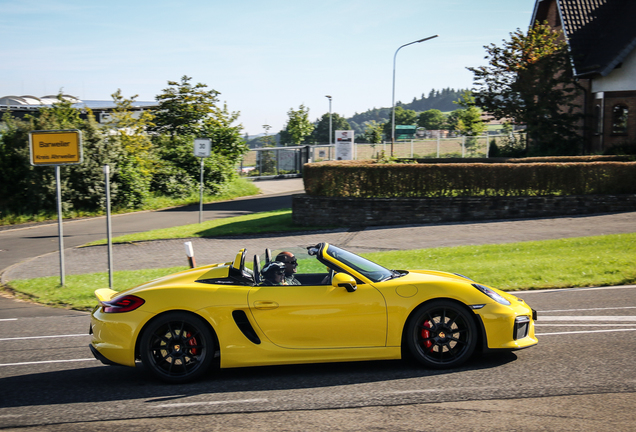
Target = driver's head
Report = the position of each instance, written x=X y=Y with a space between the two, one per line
x=288 y=258
x=274 y=271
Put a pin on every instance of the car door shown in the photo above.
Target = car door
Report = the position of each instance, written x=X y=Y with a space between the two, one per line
x=323 y=316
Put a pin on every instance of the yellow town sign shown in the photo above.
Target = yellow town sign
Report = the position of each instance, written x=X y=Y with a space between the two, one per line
x=62 y=147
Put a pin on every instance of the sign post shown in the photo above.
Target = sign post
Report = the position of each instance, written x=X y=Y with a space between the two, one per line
x=109 y=229
x=56 y=147
x=202 y=149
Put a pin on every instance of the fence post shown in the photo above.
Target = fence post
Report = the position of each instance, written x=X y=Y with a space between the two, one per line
x=438 y=145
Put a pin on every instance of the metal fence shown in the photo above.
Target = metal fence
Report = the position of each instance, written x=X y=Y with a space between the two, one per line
x=277 y=161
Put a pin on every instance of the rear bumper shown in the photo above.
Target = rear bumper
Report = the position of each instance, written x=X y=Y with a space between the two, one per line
x=99 y=356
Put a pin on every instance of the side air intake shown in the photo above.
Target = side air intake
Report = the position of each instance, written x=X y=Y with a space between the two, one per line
x=244 y=325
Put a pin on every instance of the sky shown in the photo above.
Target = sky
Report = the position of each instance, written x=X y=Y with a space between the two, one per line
x=264 y=57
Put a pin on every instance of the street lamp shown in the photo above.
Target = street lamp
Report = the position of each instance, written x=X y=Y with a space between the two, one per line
x=330 y=133
x=393 y=109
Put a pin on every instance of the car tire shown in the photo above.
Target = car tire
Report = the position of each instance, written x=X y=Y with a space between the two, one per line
x=177 y=347
x=441 y=334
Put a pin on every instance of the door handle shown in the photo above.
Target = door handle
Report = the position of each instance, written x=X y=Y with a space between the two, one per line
x=265 y=305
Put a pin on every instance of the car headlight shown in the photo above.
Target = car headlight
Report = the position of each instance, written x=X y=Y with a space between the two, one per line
x=492 y=294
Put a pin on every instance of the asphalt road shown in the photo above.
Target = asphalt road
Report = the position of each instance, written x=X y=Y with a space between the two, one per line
x=581 y=377
x=20 y=244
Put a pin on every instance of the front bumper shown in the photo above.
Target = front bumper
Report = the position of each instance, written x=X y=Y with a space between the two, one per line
x=508 y=327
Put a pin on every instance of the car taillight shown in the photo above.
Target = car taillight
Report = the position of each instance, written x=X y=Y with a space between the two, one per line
x=122 y=304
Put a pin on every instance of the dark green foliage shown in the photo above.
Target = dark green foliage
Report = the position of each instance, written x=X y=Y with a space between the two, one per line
x=183 y=107
x=532 y=178
x=320 y=134
x=403 y=117
x=179 y=171
x=139 y=167
x=27 y=189
x=622 y=149
x=442 y=100
x=432 y=119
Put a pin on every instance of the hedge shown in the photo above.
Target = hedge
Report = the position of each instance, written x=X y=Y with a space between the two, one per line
x=367 y=179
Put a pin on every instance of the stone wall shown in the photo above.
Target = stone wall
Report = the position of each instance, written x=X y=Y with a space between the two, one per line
x=363 y=212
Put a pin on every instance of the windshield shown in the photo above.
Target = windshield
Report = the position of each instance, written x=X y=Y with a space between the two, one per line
x=369 y=269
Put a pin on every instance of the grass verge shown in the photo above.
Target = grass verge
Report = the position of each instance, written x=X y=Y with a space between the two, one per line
x=582 y=261
x=255 y=223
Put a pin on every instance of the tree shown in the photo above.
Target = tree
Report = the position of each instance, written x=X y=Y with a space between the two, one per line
x=29 y=190
x=469 y=122
x=320 y=134
x=432 y=119
x=184 y=113
x=267 y=140
x=373 y=133
x=404 y=117
x=298 y=126
x=184 y=107
x=133 y=174
x=529 y=80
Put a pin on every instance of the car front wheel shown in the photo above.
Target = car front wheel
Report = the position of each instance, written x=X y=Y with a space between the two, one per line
x=177 y=347
x=442 y=334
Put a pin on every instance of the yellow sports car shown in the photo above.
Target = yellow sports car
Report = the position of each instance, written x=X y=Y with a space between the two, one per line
x=178 y=326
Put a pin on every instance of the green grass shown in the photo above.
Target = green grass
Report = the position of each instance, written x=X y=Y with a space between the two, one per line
x=255 y=223
x=238 y=187
x=78 y=293
x=582 y=261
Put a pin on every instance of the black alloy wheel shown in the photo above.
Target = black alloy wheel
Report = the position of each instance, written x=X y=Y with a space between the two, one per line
x=442 y=334
x=177 y=347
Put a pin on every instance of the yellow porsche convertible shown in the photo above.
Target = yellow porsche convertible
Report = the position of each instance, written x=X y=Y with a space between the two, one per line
x=180 y=325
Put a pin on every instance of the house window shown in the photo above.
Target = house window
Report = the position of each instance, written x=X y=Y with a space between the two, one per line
x=619 y=120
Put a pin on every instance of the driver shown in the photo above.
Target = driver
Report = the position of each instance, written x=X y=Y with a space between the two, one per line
x=291 y=267
x=274 y=274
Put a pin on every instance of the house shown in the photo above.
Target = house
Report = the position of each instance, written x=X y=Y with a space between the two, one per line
x=601 y=36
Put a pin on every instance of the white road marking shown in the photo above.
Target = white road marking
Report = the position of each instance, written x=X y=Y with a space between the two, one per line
x=609 y=318
x=47 y=361
x=585 y=332
x=44 y=337
x=541 y=291
x=591 y=309
x=583 y=325
x=190 y=404
x=8 y=319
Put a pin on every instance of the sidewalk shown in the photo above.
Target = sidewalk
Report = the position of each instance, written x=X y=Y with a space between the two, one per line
x=171 y=253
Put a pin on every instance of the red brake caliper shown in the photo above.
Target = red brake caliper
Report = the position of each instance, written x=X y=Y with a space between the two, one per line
x=426 y=334
x=192 y=342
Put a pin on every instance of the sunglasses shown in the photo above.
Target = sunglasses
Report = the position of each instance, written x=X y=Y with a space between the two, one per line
x=294 y=262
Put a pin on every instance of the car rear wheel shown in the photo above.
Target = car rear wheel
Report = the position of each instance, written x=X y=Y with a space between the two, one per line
x=177 y=347
x=442 y=334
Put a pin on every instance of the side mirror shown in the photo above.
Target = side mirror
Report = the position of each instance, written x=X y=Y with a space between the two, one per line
x=343 y=280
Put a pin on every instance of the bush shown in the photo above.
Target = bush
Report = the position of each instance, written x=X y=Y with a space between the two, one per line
x=372 y=180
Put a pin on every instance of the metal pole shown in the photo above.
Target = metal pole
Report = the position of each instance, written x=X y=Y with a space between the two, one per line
x=330 y=131
x=393 y=99
x=60 y=229
x=109 y=231
x=201 y=195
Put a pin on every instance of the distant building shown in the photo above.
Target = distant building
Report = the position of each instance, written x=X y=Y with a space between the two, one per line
x=19 y=106
x=601 y=36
